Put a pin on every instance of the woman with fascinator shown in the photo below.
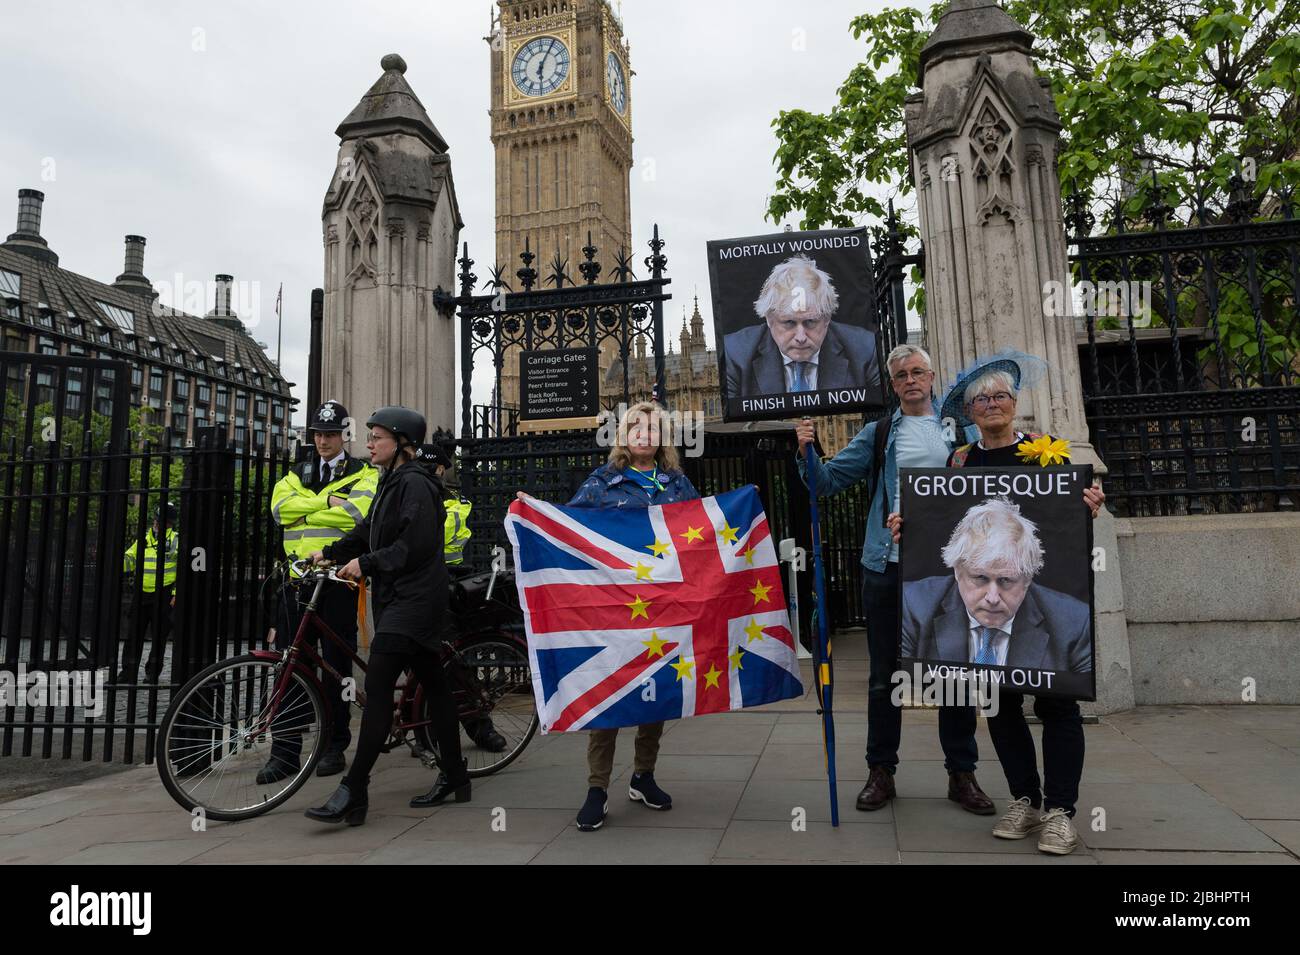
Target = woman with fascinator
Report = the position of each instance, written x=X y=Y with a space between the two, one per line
x=985 y=395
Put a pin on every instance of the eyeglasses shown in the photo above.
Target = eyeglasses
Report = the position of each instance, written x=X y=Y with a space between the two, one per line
x=916 y=374
x=374 y=437
x=1000 y=397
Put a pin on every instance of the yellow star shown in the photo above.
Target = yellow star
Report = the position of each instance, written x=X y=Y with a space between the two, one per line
x=692 y=534
x=642 y=571
x=684 y=668
x=760 y=592
x=749 y=556
x=728 y=533
x=655 y=644
x=711 y=677
x=754 y=630
x=638 y=607
x=735 y=657
x=658 y=548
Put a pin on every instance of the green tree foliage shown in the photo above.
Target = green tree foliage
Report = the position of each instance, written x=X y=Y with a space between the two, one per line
x=1187 y=90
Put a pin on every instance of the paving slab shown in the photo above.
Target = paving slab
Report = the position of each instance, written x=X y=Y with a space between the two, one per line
x=818 y=842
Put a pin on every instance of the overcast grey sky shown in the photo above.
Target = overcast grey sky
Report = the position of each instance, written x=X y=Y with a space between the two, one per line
x=208 y=127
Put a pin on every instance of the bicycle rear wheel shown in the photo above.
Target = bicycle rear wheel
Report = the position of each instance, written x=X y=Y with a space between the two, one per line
x=217 y=735
x=493 y=687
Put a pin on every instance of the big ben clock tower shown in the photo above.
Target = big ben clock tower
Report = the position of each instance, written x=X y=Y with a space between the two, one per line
x=562 y=132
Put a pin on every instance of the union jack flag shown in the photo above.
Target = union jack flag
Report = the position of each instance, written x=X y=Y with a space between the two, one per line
x=638 y=615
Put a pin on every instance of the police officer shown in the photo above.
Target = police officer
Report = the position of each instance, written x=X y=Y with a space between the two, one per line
x=317 y=503
x=151 y=603
x=394 y=547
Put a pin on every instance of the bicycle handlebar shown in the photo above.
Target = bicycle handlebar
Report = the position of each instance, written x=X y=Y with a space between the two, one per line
x=305 y=569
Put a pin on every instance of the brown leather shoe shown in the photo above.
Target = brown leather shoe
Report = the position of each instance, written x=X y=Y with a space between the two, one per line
x=878 y=790
x=962 y=788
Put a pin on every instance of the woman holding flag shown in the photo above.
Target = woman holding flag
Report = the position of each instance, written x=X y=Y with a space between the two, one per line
x=643 y=470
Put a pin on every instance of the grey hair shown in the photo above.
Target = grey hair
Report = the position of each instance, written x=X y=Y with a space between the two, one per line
x=995 y=532
x=1002 y=379
x=902 y=353
x=798 y=273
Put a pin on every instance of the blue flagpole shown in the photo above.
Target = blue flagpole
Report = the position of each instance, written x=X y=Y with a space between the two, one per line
x=822 y=668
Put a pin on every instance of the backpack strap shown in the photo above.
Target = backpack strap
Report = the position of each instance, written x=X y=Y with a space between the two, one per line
x=881 y=439
x=959 y=456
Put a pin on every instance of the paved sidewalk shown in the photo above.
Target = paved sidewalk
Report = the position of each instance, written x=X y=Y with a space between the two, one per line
x=1176 y=783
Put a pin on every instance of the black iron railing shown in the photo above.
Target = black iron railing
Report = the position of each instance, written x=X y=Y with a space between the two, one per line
x=1192 y=355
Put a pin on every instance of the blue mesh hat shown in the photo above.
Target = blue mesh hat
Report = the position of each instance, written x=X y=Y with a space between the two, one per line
x=1025 y=371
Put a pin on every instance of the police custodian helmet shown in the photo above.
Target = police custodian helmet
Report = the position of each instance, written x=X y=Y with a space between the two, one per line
x=328 y=417
x=403 y=422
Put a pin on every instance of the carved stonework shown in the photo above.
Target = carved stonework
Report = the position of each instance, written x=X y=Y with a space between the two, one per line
x=396 y=226
x=1034 y=155
x=990 y=141
x=362 y=241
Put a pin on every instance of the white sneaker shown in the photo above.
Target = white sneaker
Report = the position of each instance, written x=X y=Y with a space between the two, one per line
x=1058 y=836
x=1020 y=819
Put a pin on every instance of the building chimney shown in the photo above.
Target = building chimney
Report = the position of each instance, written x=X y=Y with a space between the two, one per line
x=28 y=237
x=221 y=311
x=133 y=277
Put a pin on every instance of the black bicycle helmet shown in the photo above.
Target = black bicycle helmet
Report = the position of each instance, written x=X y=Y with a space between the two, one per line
x=408 y=426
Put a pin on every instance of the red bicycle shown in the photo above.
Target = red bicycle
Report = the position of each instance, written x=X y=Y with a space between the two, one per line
x=218 y=730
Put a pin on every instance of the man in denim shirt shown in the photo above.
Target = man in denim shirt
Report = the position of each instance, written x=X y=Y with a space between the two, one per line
x=915 y=440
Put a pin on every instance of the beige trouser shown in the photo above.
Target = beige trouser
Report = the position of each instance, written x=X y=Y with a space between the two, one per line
x=600 y=752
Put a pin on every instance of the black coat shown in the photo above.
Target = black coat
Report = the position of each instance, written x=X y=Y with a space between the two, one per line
x=400 y=547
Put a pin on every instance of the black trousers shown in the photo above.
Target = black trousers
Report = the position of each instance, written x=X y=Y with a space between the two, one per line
x=146 y=610
x=1062 y=750
x=884 y=719
x=338 y=609
x=383 y=669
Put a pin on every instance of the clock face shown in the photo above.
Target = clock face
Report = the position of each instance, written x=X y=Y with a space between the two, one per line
x=540 y=66
x=616 y=83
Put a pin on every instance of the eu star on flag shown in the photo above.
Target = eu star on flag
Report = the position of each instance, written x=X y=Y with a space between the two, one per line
x=613 y=641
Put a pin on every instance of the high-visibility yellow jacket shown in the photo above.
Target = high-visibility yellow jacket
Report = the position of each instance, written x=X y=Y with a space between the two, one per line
x=308 y=520
x=457 y=530
x=149 y=566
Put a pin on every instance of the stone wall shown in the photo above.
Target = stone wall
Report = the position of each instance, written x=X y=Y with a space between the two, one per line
x=1211 y=601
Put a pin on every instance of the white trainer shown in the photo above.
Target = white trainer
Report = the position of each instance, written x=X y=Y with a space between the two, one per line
x=1058 y=836
x=1020 y=819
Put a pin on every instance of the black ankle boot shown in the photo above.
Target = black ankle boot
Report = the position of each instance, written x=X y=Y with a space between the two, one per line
x=343 y=806
x=445 y=787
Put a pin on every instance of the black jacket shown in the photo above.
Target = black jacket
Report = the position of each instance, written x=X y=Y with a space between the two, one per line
x=400 y=547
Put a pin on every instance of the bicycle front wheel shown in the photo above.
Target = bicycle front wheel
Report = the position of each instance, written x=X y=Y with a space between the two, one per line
x=223 y=727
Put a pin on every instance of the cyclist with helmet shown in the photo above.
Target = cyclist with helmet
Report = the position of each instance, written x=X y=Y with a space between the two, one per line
x=316 y=503
x=456 y=535
x=153 y=599
x=396 y=548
